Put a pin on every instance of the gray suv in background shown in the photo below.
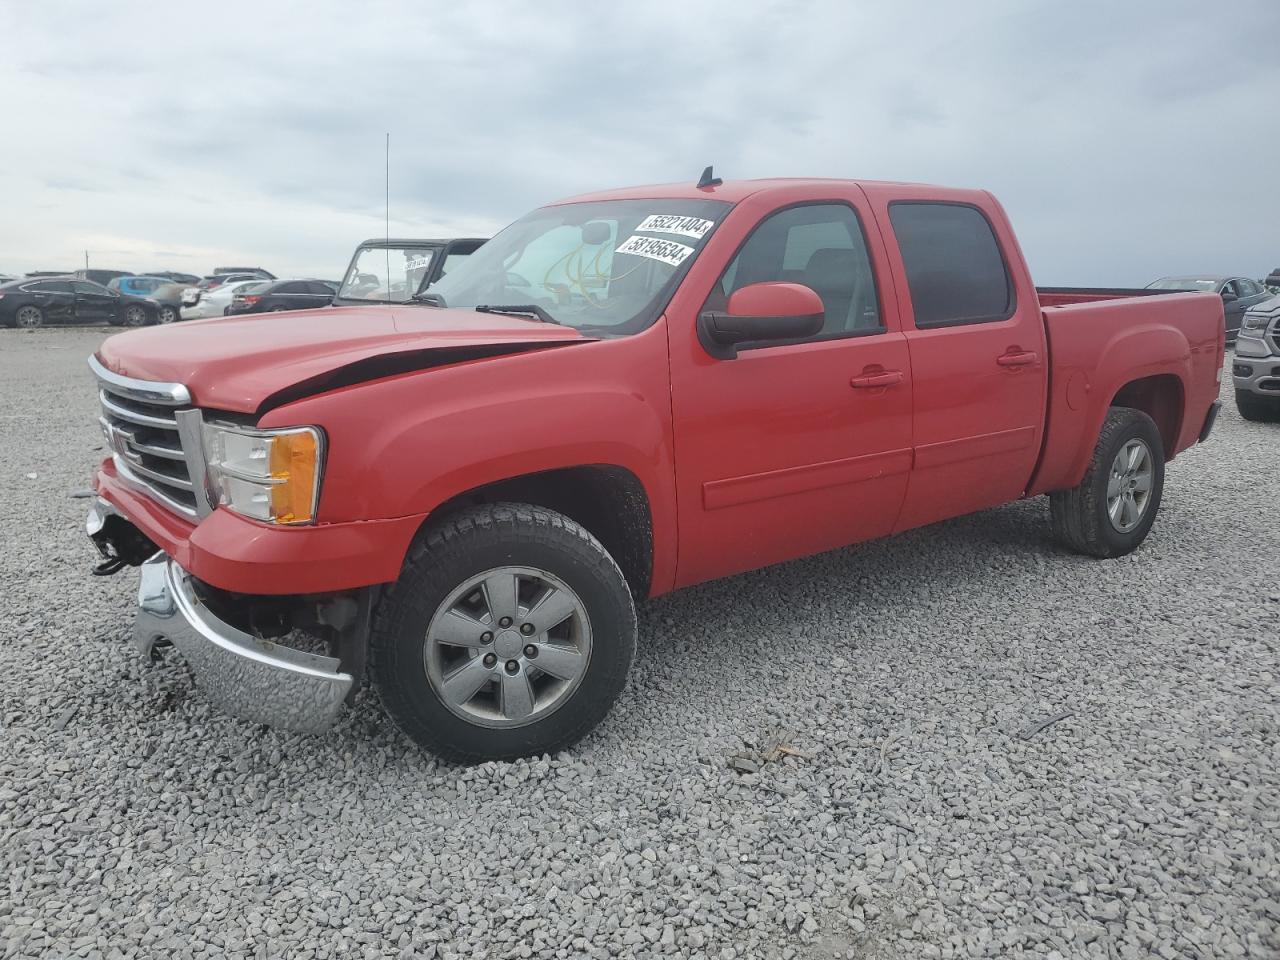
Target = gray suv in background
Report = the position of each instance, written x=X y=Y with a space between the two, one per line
x=1256 y=367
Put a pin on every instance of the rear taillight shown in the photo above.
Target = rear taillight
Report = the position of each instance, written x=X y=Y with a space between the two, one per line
x=252 y=298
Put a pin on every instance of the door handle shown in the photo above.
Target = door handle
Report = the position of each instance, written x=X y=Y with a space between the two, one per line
x=883 y=378
x=1022 y=358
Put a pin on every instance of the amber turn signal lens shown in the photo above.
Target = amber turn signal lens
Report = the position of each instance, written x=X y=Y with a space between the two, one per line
x=294 y=462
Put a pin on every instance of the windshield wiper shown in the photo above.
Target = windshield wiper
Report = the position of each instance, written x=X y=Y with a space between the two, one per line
x=519 y=310
x=431 y=299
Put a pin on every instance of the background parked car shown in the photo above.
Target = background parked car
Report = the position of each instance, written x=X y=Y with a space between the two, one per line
x=1273 y=280
x=412 y=265
x=283 y=295
x=1238 y=295
x=167 y=301
x=214 y=303
x=102 y=277
x=34 y=303
x=137 y=286
x=192 y=294
x=256 y=272
x=172 y=276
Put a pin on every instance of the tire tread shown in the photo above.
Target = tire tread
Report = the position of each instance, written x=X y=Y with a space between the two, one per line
x=448 y=539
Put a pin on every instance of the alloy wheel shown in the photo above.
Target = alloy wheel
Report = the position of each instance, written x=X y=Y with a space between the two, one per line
x=1129 y=485
x=29 y=317
x=508 y=647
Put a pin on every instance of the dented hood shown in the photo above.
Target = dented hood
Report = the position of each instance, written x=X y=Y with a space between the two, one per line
x=252 y=363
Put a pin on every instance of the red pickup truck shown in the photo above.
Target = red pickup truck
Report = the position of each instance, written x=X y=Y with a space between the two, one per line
x=460 y=499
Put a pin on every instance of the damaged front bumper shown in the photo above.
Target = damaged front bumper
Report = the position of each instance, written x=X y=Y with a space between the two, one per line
x=244 y=675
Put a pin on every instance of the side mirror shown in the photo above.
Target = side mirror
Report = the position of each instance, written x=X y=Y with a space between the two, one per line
x=761 y=311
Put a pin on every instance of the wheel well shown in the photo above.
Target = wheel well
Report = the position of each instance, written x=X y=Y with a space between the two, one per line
x=608 y=501
x=1160 y=398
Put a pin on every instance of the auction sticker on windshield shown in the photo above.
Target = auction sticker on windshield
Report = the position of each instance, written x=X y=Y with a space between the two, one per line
x=664 y=251
x=671 y=223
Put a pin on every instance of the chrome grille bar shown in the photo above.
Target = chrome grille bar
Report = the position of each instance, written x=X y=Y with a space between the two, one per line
x=156 y=439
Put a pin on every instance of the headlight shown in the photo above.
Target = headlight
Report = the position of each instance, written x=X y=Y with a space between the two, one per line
x=1254 y=323
x=269 y=475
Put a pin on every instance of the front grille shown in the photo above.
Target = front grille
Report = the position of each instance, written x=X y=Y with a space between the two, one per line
x=145 y=425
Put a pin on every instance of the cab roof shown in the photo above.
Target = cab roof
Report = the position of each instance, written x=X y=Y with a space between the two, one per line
x=735 y=191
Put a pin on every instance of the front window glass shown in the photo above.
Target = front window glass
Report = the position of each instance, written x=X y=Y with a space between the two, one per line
x=604 y=265
x=387 y=275
x=819 y=245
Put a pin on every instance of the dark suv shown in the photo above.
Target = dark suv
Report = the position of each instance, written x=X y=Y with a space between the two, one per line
x=283 y=295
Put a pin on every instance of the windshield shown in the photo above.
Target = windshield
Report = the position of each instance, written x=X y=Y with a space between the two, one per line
x=1183 y=283
x=603 y=265
x=368 y=277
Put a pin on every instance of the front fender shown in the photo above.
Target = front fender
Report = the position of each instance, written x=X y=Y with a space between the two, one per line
x=404 y=445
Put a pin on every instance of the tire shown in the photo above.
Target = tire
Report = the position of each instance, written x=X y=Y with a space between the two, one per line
x=166 y=314
x=553 y=558
x=1256 y=408
x=28 y=317
x=134 y=316
x=1082 y=518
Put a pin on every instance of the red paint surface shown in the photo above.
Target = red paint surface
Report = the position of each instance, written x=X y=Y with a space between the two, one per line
x=781 y=452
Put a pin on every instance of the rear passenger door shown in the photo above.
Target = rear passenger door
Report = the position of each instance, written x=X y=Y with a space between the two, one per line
x=291 y=296
x=55 y=299
x=978 y=359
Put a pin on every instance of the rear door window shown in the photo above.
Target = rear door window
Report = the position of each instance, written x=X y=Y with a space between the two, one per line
x=955 y=271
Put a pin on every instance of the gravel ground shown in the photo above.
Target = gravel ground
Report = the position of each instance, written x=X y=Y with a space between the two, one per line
x=919 y=815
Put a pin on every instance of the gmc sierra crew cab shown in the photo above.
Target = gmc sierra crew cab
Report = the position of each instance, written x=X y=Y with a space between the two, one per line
x=462 y=498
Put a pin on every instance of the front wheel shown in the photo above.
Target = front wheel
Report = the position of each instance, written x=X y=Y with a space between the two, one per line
x=509 y=634
x=1110 y=513
x=134 y=316
x=166 y=315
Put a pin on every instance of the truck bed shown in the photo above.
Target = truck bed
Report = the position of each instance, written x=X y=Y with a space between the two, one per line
x=1063 y=296
x=1107 y=345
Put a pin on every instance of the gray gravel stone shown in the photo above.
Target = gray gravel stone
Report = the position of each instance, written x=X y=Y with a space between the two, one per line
x=917 y=823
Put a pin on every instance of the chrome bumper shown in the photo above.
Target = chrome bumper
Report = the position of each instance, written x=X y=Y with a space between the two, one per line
x=243 y=675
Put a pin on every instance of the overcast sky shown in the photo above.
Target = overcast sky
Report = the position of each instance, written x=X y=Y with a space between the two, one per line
x=1127 y=140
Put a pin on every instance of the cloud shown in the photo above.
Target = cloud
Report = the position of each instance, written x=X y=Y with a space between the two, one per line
x=1126 y=141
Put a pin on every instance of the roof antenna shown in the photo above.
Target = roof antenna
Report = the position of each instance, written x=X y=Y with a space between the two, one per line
x=708 y=179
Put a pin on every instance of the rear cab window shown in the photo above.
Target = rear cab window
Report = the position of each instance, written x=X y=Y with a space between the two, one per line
x=956 y=272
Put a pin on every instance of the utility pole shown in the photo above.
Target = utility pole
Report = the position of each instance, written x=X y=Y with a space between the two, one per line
x=86 y=259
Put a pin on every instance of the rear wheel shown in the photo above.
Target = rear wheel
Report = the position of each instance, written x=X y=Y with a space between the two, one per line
x=165 y=314
x=29 y=316
x=1110 y=513
x=1256 y=408
x=509 y=633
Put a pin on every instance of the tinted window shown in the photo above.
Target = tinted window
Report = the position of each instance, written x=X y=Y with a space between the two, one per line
x=83 y=286
x=295 y=287
x=821 y=246
x=50 y=286
x=954 y=268
x=320 y=289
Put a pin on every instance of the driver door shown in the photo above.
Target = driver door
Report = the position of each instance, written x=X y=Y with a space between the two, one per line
x=793 y=448
x=94 y=303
